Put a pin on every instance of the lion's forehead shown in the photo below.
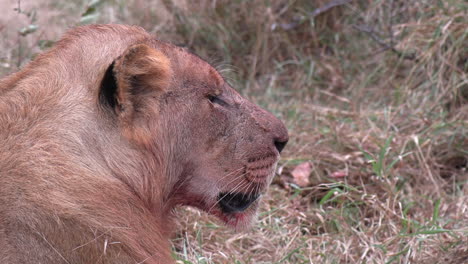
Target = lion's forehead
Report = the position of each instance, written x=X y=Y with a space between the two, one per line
x=191 y=66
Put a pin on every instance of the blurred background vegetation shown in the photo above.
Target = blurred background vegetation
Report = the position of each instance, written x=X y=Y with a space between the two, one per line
x=373 y=92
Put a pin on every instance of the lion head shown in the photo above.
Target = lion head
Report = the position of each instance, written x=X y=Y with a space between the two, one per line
x=218 y=151
x=102 y=136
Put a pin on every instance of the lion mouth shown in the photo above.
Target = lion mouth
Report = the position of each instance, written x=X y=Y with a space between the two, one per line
x=236 y=202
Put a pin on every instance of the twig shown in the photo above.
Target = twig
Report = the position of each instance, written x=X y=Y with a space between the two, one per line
x=328 y=6
x=316 y=12
x=369 y=31
x=18 y=9
x=331 y=111
x=373 y=35
x=390 y=23
x=385 y=45
x=56 y=251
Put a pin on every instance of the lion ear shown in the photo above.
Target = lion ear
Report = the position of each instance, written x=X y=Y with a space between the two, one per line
x=138 y=72
x=133 y=80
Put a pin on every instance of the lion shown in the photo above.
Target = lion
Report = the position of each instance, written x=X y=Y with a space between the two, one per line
x=102 y=136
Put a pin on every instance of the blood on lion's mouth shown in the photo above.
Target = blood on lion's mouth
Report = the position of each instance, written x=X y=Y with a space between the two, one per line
x=236 y=202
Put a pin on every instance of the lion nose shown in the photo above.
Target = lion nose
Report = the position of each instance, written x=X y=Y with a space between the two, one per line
x=280 y=134
x=280 y=144
x=273 y=127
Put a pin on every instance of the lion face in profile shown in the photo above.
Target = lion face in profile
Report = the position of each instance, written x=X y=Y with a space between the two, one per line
x=221 y=149
x=105 y=134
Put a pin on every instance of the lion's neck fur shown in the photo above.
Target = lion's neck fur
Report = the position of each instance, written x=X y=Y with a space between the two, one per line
x=85 y=179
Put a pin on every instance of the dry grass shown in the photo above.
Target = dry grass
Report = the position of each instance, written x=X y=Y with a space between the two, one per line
x=375 y=89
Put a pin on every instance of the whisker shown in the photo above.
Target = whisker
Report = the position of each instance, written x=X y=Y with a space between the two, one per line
x=248 y=192
x=232 y=180
x=181 y=184
x=229 y=174
x=234 y=190
x=240 y=184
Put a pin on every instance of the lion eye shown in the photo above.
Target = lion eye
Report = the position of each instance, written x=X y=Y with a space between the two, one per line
x=216 y=100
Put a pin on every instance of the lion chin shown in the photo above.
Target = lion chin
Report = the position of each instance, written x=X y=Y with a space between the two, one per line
x=235 y=210
x=238 y=209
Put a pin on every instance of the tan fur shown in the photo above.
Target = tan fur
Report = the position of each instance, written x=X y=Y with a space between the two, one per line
x=85 y=178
